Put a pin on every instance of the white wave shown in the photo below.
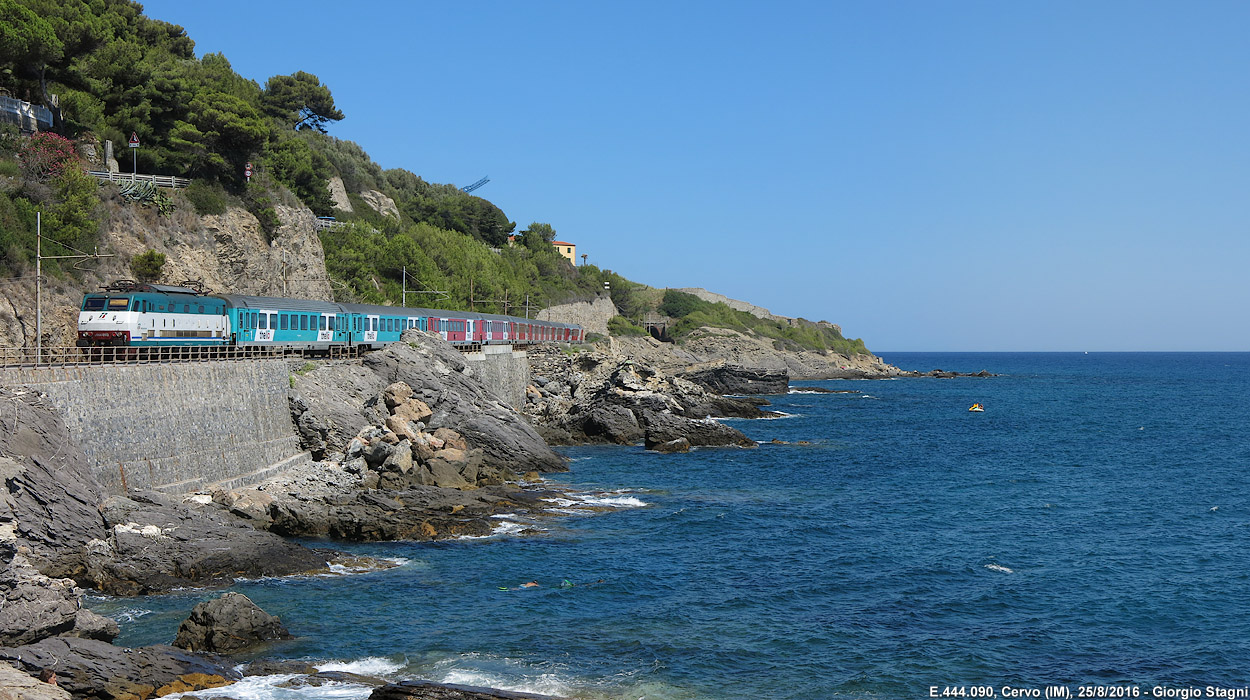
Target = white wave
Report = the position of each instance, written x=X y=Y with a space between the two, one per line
x=1000 y=568
x=577 y=503
x=779 y=416
x=866 y=396
x=368 y=666
x=268 y=688
x=397 y=561
x=487 y=671
x=130 y=614
x=505 y=528
x=615 y=501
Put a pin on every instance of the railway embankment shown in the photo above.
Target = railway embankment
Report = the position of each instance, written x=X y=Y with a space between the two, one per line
x=175 y=428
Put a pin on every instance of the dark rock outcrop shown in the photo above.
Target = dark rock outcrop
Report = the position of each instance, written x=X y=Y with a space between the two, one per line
x=601 y=398
x=92 y=669
x=155 y=544
x=725 y=378
x=50 y=496
x=227 y=625
x=33 y=606
x=665 y=428
x=419 y=513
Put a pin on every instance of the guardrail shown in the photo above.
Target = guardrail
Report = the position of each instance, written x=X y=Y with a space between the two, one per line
x=30 y=117
x=158 y=180
x=129 y=355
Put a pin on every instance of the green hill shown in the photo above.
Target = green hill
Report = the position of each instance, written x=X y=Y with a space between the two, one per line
x=115 y=71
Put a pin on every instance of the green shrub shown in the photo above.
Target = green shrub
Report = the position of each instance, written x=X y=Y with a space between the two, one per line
x=680 y=304
x=619 y=325
x=147 y=266
x=207 y=197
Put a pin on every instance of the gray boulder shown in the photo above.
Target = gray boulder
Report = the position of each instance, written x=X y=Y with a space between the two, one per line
x=672 y=446
x=227 y=625
x=615 y=424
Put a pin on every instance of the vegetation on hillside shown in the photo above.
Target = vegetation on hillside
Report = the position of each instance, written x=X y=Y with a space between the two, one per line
x=692 y=313
x=117 y=72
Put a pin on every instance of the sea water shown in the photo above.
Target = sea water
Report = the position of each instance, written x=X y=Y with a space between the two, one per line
x=1090 y=528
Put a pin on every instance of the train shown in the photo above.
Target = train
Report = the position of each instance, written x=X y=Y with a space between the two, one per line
x=137 y=315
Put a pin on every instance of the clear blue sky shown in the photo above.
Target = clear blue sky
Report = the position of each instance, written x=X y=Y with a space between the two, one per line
x=929 y=175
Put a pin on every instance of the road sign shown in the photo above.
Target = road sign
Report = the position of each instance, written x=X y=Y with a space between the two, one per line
x=134 y=139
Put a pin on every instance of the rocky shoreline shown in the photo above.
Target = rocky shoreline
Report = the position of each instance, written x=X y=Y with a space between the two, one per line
x=408 y=446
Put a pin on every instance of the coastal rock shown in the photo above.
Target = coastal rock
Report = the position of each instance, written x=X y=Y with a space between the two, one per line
x=89 y=668
x=425 y=690
x=615 y=424
x=18 y=685
x=343 y=397
x=608 y=396
x=32 y=606
x=725 y=378
x=155 y=544
x=48 y=505
x=227 y=625
x=664 y=427
x=678 y=445
x=416 y=512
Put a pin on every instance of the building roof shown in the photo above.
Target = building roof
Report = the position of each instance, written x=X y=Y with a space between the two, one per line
x=561 y=243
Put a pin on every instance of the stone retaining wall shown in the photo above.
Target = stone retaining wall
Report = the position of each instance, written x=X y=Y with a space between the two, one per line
x=177 y=428
x=593 y=317
x=504 y=371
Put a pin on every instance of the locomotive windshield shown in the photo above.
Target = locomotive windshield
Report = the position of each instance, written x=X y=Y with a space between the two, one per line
x=93 y=304
x=119 y=304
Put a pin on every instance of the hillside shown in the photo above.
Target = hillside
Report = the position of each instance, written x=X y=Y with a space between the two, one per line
x=105 y=70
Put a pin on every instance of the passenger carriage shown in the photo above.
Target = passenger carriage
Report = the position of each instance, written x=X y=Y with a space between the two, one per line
x=290 y=323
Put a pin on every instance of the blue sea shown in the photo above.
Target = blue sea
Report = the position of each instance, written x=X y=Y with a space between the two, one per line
x=1090 y=528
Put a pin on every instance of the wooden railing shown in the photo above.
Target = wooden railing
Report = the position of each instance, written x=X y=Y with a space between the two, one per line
x=158 y=180
x=127 y=355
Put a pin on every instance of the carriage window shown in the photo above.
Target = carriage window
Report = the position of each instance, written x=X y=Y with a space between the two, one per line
x=262 y=322
x=273 y=321
x=303 y=322
x=284 y=321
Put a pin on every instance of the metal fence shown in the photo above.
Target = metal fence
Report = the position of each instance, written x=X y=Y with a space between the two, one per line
x=158 y=180
x=129 y=355
x=27 y=116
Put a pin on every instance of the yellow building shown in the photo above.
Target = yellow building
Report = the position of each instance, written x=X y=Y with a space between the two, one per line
x=567 y=249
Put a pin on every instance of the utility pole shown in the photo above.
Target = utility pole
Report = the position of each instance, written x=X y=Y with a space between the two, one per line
x=39 y=258
x=403 y=298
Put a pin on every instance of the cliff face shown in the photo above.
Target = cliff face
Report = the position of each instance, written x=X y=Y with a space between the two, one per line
x=229 y=253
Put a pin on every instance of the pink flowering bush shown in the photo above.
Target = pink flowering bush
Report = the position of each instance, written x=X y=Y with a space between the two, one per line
x=46 y=156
